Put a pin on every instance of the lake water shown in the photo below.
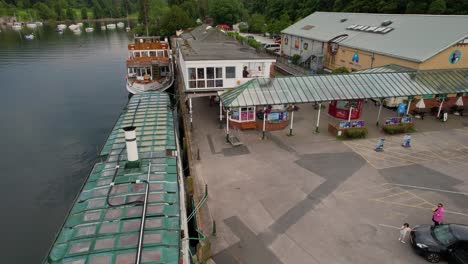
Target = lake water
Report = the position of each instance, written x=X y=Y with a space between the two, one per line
x=60 y=97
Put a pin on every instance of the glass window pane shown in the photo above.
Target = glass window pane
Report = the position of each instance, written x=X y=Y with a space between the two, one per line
x=192 y=84
x=191 y=73
x=200 y=73
x=210 y=73
x=200 y=84
x=219 y=73
x=210 y=83
x=230 y=72
x=219 y=83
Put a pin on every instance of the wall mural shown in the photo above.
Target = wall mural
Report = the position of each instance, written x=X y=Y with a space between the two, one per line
x=455 y=57
x=355 y=57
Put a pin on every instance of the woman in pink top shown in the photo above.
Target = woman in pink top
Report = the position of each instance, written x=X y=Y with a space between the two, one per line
x=438 y=215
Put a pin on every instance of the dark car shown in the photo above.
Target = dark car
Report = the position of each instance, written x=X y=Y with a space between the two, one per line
x=441 y=241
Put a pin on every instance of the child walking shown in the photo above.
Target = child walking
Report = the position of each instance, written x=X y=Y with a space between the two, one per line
x=404 y=232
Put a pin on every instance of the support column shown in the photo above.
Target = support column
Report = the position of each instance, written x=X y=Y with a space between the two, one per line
x=190 y=113
x=350 y=112
x=318 y=119
x=291 y=122
x=409 y=104
x=440 y=109
x=380 y=110
x=220 y=114
x=227 y=126
x=264 y=123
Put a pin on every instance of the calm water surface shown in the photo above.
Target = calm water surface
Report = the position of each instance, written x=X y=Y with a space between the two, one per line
x=60 y=96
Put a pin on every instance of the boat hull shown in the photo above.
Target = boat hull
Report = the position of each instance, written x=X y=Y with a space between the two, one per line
x=137 y=88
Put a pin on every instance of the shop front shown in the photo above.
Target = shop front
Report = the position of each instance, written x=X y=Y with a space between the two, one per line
x=276 y=117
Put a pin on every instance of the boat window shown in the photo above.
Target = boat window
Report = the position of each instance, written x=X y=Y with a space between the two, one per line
x=160 y=53
x=137 y=54
x=153 y=53
x=230 y=72
x=144 y=54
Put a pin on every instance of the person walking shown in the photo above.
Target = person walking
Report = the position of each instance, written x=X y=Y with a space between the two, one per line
x=438 y=215
x=404 y=232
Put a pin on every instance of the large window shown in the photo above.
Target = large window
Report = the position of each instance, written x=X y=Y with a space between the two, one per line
x=209 y=77
x=243 y=114
x=230 y=72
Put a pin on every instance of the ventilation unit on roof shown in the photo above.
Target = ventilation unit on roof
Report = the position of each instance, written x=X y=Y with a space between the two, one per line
x=386 y=23
x=343 y=20
x=307 y=27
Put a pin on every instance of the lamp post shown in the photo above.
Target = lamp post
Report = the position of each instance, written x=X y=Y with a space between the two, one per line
x=292 y=121
x=318 y=118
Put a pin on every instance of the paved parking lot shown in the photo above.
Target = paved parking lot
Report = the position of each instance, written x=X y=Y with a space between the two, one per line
x=312 y=199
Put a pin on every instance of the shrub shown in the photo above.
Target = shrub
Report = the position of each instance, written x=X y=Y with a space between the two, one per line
x=340 y=70
x=295 y=59
x=353 y=133
x=398 y=129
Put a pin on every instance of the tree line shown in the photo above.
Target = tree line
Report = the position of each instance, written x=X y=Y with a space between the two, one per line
x=67 y=9
x=260 y=16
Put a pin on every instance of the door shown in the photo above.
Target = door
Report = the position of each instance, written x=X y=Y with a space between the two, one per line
x=459 y=255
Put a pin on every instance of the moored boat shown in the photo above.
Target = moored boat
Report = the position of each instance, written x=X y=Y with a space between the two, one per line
x=89 y=29
x=31 y=25
x=17 y=26
x=79 y=24
x=61 y=26
x=29 y=36
x=76 y=31
x=110 y=26
x=121 y=25
x=73 y=27
x=39 y=23
x=128 y=29
x=149 y=65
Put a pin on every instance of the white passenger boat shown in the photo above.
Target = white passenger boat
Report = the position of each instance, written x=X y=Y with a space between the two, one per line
x=149 y=65
x=61 y=26
x=89 y=29
x=121 y=25
x=110 y=26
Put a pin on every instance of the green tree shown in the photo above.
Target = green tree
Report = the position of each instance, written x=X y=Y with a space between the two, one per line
x=44 y=12
x=276 y=26
x=257 y=23
x=70 y=14
x=192 y=9
x=437 y=7
x=226 y=11
x=174 y=20
x=416 y=7
x=84 y=13
x=59 y=11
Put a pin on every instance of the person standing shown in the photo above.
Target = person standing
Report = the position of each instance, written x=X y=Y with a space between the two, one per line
x=404 y=231
x=438 y=215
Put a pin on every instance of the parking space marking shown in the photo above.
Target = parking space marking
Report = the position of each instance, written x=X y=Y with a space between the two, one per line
x=389 y=226
x=429 y=189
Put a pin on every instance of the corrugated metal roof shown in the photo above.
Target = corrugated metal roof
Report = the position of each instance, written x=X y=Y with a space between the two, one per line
x=94 y=231
x=414 y=37
x=321 y=88
x=386 y=68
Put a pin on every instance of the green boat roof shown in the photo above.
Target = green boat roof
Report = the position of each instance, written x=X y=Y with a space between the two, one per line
x=94 y=231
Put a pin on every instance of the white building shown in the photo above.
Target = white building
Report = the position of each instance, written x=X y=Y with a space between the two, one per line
x=210 y=61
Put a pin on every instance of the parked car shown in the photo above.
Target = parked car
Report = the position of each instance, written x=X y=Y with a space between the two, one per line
x=449 y=241
x=271 y=45
x=278 y=41
x=459 y=255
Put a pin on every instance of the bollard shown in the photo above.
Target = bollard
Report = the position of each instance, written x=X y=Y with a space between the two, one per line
x=380 y=145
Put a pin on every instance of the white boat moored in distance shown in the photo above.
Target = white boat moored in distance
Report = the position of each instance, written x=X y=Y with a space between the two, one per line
x=31 y=25
x=73 y=27
x=29 y=36
x=61 y=26
x=110 y=26
x=128 y=29
x=89 y=29
x=120 y=25
x=103 y=27
x=17 y=26
x=77 y=31
x=39 y=23
x=79 y=24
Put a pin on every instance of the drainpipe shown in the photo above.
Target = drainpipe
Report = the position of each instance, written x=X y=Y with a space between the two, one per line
x=132 y=148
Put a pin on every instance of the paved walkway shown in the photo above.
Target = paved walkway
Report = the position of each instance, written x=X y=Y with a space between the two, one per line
x=312 y=199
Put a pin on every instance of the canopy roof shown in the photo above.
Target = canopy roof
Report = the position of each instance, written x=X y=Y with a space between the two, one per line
x=321 y=88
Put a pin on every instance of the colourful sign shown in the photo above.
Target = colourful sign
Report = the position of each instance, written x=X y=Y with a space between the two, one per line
x=455 y=57
x=355 y=57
